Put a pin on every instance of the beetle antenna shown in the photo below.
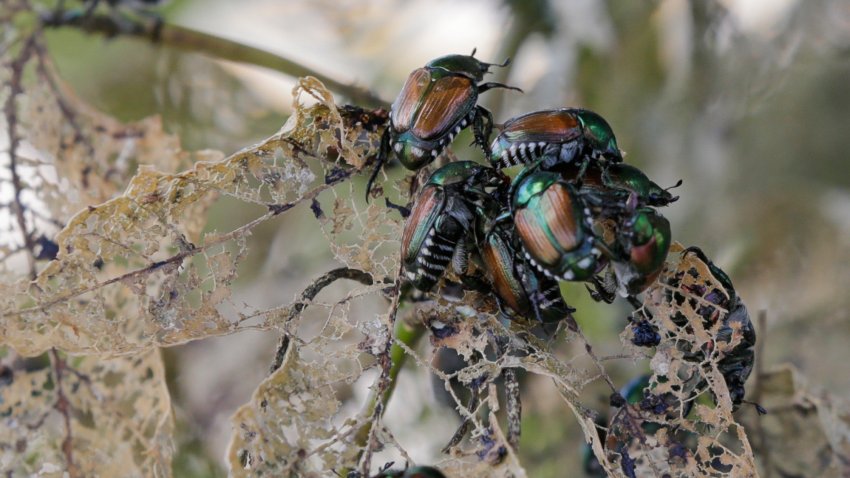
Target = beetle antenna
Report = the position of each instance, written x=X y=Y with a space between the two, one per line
x=678 y=183
x=473 y=51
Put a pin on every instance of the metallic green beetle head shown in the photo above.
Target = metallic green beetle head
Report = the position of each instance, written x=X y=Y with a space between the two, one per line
x=530 y=183
x=633 y=179
x=456 y=172
x=599 y=134
x=466 y=65
x=554 y=226
x=408 y=157
x=646 y=241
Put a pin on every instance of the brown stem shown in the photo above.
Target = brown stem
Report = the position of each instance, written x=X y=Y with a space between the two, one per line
x=63 y=406
x=381 y=392
x=464 y=427
x=187 y=39
x=757 y=393
x=514 y=407
x=16 y=88
x=308 y=295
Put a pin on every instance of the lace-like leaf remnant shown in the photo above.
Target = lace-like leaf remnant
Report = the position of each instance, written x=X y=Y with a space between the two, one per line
x=820 y=443
x=88 y=416
x=287 y=427
x=683 y=424
x=136 y=271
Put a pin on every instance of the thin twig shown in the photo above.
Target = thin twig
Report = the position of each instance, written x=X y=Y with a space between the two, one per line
x=187 y=39
x=514 y=407
x=308 y=295
x=16 y=88
x=464 y=427
x=385 y=382
x=63 y=406
x=757 y=393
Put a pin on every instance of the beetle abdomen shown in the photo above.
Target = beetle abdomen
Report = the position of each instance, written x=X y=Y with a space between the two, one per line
x=432 y=260
x=515 y=283
x=561 y=135
x=529 y=137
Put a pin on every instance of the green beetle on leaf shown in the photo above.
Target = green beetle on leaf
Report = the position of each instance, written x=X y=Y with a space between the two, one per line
x=443 y=218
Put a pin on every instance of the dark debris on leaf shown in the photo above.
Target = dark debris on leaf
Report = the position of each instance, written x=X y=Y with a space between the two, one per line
x=627 y=463
x=336 y=175
x=316 y=208
x=616 y=400
x=46 y=249
x=645 y=334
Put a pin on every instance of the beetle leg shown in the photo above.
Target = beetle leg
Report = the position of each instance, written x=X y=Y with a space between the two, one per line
x=490 y=85
x=582 y=170
x=601 y=292
x=383 y=154
x=476 y=283
x=604 y=249
x=460 y=258
x=535 y=304
x=482 y=127
x=637 y=304
x=503 y=218
x=500 y=65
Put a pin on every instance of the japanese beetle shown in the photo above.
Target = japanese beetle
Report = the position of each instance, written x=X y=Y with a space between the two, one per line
x=737 y=363
x=645 y=241
x=561 y=136
x=521 y=290
x=444 y=214
x=619 y=180
x=554 y=225
x=435 y=104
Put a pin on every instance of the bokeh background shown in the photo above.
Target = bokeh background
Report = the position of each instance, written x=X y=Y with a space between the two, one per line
x=746 y=101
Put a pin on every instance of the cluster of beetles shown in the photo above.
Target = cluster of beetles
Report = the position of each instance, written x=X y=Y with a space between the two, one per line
x=574 y=212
